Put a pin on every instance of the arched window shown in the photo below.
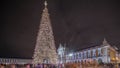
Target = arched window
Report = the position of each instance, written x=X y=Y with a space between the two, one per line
x=96 y=51
x=102 y=51
x=99 y=52
x=80 y=55
x=91 y=54
x=86 y=54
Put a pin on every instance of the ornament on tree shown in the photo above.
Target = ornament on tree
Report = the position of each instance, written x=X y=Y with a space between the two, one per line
x=45 y=50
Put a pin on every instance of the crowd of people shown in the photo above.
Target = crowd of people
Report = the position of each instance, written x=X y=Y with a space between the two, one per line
x=66 y=65
x=45 y=66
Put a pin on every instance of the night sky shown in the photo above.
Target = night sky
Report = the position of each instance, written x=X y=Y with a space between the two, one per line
x=76 y=23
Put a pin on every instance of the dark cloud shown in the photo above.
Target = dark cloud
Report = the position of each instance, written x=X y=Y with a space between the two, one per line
x=78 y=23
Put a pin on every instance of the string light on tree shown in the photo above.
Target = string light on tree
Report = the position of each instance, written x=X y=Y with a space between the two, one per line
x=45 y=50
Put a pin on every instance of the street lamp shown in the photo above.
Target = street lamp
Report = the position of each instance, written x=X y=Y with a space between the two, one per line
x=71 y=54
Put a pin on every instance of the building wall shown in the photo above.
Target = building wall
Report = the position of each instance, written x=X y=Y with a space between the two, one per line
x=61 y=54
x=102 y=53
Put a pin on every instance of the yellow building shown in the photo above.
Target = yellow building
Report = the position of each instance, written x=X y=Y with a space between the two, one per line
x=118 y=58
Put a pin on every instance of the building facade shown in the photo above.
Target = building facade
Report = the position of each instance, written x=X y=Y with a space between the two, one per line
x=14 y=63
x=98 y=54
x=61 y=54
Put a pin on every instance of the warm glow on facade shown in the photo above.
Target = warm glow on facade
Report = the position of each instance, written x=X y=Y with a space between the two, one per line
x=98 y=54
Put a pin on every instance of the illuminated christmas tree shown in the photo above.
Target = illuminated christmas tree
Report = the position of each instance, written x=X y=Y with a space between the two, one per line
x=45 y=50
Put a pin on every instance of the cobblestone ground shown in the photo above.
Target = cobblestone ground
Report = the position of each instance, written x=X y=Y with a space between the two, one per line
x=99 y=67
x=89 y=66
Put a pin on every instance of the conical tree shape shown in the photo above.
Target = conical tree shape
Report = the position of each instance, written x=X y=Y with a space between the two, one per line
x=45 y=50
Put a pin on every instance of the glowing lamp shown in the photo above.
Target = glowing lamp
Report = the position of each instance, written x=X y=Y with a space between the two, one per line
x=70 y=54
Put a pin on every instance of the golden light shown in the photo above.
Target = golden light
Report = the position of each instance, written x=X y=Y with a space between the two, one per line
x=116 y=58
x=113 y=58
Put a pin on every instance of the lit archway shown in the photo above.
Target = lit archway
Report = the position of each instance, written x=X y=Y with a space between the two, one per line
x=46 y=60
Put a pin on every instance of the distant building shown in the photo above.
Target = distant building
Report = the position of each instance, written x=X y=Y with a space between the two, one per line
x=104 y=53
x=14 y=62
x=61 y=54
